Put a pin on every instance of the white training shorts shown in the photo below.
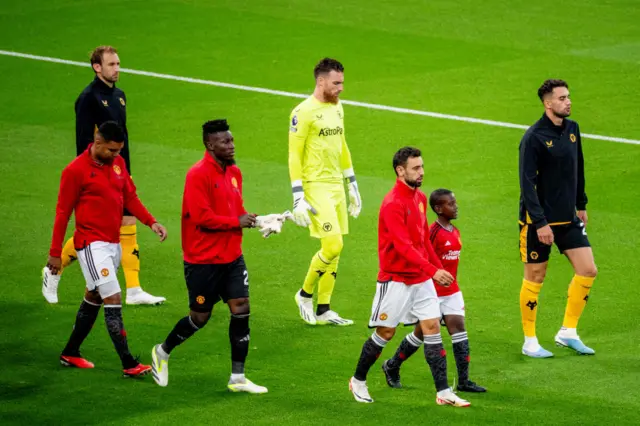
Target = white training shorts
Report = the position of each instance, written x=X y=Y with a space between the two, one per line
x=99 y=262
x=396 y=303
x=452 y=304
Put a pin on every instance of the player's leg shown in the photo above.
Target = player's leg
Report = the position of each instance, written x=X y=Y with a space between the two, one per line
x=131 y=264
x=235 y=293
x=409 y=345
x=50 y=281
x=426 y=309
x=339 y=225
x=452 y=308
x=85 y=319
x=575 y=245
x=202 y=284
x=535 y=257
x=390 y=305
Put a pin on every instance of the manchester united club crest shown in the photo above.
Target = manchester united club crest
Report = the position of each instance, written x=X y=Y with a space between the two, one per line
x=104 y=272
x=421 y=207
x=117 y=169
x=200 y=300
x=383 y=316
x=234 y=182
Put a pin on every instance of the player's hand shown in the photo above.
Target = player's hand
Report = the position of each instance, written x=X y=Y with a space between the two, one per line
x=443 y=277
x=355 y=202
x=160 y=231
x=247 y=220
x=301 y=209
x=54 y=264
x=582 y=215
x=545 y=235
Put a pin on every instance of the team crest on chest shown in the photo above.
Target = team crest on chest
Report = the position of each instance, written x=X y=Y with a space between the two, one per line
x=234 y=182
x=421 y=207
x=117 y=169
x=122 y=102
x=573 y=138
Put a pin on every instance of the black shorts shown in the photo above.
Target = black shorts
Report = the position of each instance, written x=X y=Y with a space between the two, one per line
x=208 y=284
x=570 y=236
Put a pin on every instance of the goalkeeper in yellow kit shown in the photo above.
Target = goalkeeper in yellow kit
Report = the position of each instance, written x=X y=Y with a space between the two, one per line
x=319 y=160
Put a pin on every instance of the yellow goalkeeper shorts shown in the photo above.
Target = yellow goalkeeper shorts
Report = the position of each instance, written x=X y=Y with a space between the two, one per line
x=330 y=202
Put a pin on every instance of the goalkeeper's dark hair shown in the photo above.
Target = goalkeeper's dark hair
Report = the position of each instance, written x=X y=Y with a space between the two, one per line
x=327 y=65
x=111 y=131
x=548 y=86
x=214 y=126
x=402 y=156
x=436 y=197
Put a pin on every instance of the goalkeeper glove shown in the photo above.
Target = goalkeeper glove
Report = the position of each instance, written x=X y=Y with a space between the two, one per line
x=355 y=202
x=301 y=207
x=272 y=223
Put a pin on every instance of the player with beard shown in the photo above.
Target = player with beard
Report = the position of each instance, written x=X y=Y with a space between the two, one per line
x=553 y=206
x=405 y=291
x=213 y=217
x=102 y=101
x=319 y=162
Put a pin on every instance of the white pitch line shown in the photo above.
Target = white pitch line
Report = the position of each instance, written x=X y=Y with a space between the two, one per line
x=302 y=96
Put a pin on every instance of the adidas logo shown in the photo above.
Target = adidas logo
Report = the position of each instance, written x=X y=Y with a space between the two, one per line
x=447 y=244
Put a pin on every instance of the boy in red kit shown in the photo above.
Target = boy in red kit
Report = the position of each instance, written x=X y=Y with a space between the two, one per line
x=405 y=291
x=447 y=244
x=97 y=187
x=213 y=217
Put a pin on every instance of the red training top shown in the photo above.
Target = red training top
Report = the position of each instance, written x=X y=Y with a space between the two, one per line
x=97 y=193
x=211 y=206
x=404 y=249
x=447 y=245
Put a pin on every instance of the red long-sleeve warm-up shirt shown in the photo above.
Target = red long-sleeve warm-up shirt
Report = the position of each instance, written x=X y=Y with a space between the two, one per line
x=404 y=250
x=97 y=193
x=211 y=207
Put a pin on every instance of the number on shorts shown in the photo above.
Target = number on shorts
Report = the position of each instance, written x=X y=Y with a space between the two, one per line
x=246 y=277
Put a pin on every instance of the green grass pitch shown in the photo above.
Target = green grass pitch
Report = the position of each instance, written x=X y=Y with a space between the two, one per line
x=469 y=58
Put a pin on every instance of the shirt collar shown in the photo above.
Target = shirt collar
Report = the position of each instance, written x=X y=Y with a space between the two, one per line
x=102 y=85
x=404 y=190
x=551 y=125
x=208 y=158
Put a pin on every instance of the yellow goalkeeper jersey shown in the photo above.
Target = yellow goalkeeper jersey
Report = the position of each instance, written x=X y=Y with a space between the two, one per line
x=318 y=150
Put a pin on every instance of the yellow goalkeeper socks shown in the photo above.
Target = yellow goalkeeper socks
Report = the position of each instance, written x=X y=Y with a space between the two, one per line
x=327 y=282
x=68 y=253
x=529 y=306
x=130 y=255
x=578 y=295
x=317 y=268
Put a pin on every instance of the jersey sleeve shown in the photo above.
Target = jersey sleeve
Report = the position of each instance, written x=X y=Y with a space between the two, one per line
x=85 y=122
x=68 y=195
x=581 y=195
x=300 y=123
x=393 y=218
x=528 y=165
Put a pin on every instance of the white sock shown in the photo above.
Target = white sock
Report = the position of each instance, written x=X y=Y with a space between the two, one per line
x=237 y=378
x=531 y=343
x=568 y=333
x=134 y=291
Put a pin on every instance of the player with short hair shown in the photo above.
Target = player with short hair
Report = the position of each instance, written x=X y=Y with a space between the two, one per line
x=213 y=217
x=319 y=161
x=102 y=101
x=446 y=242
x=96 y=186
x=553 y=209
x=405 y=290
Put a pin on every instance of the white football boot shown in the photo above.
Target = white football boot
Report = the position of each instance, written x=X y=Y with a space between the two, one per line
x=50 y=285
